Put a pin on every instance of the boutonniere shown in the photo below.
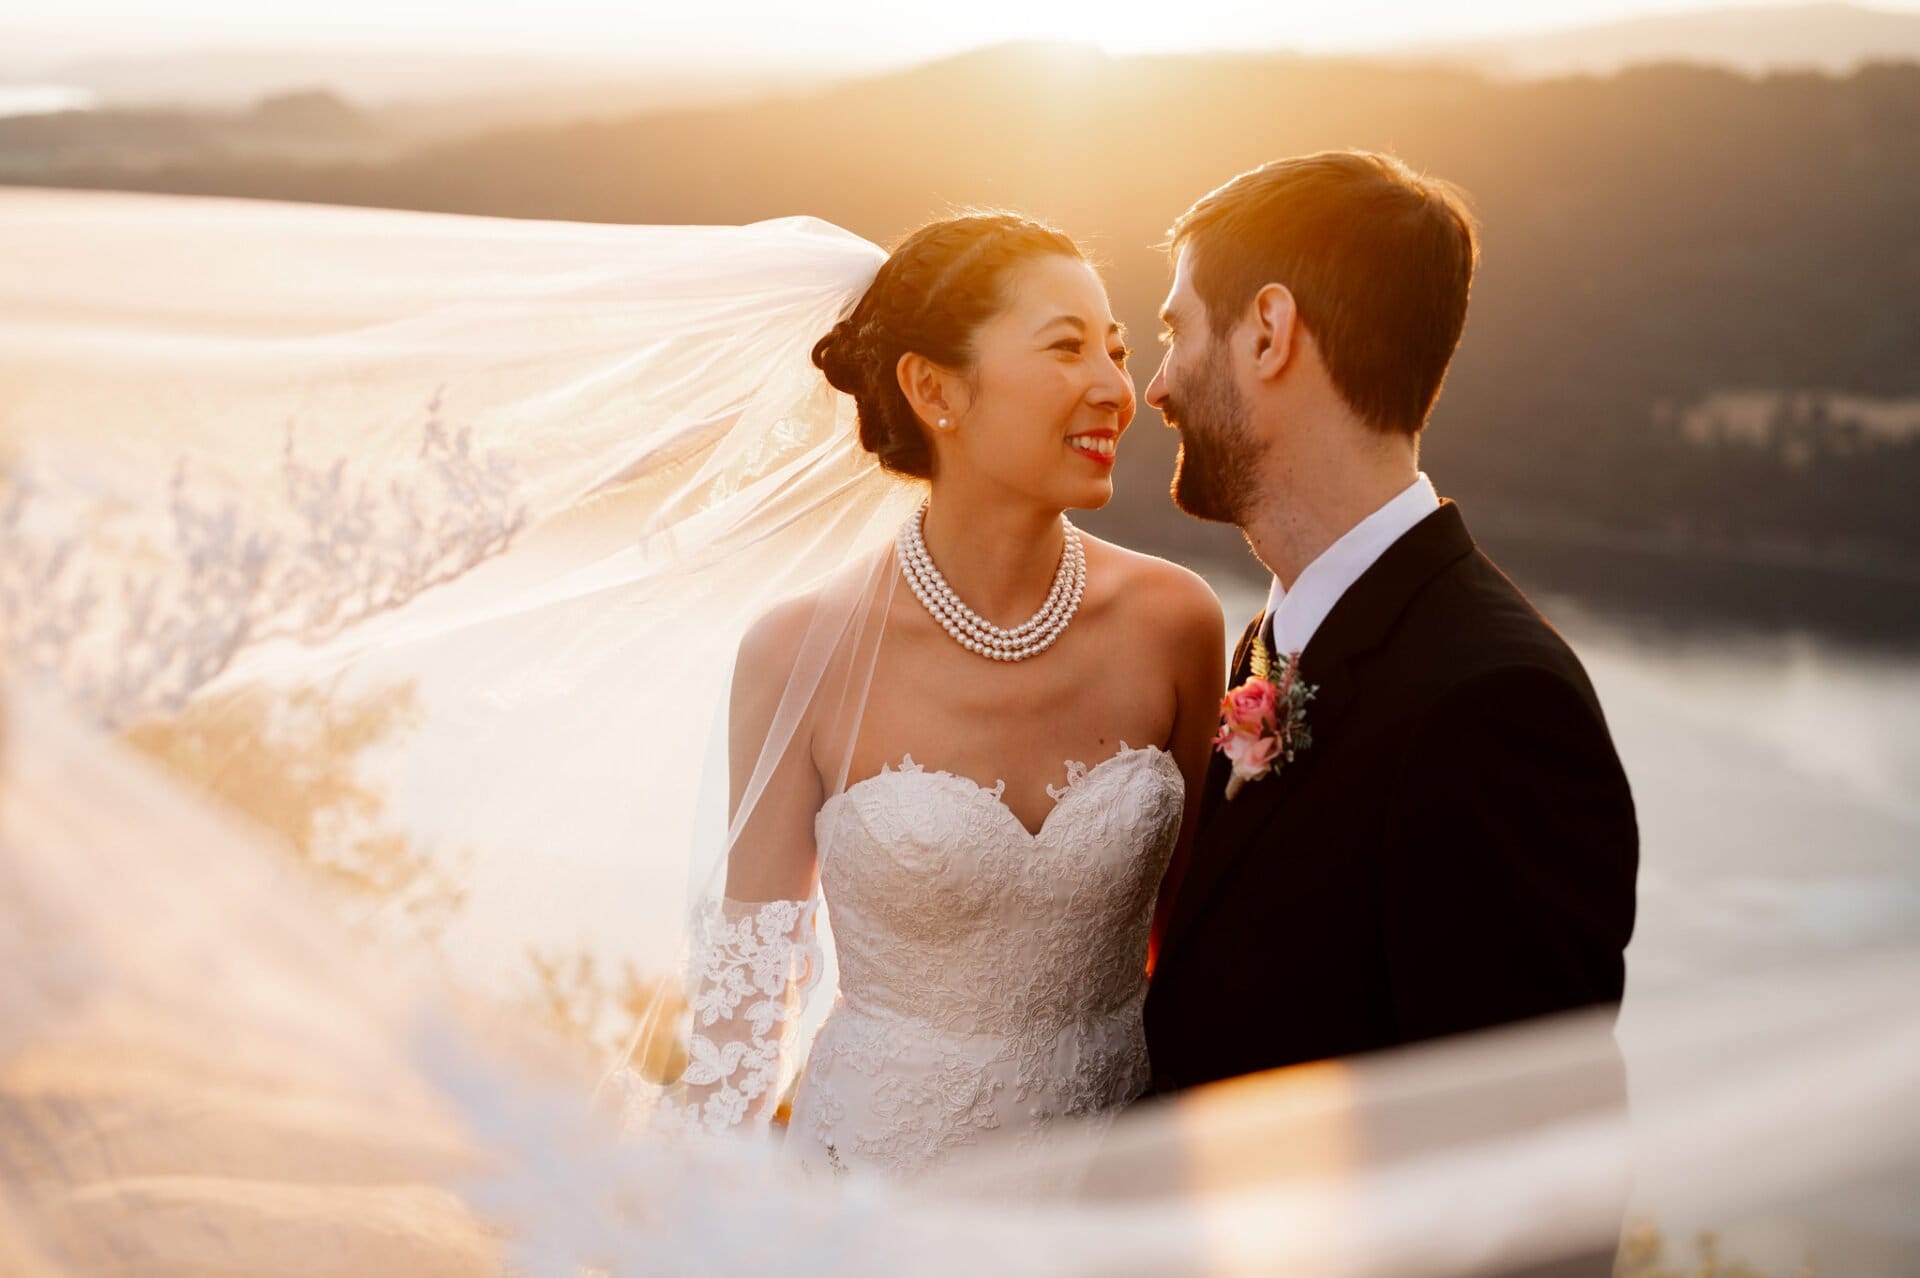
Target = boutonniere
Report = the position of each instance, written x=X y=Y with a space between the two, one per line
x=1263 y=722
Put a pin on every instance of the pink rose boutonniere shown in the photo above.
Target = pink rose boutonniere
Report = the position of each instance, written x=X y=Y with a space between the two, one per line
x=1263 y=722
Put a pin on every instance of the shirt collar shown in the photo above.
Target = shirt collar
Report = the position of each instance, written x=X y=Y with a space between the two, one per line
x=1293 y=615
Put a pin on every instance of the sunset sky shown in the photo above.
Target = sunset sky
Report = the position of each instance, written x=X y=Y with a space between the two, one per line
x=783 y=32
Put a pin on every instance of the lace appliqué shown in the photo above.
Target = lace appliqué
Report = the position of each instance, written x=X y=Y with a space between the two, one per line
x=1076 y=773
x=753 y=964
x=995 y=791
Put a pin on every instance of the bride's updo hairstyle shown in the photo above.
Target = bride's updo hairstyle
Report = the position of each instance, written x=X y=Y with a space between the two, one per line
x=936 y=288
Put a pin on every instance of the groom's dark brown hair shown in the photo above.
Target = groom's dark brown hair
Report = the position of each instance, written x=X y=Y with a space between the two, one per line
x=1379 y=260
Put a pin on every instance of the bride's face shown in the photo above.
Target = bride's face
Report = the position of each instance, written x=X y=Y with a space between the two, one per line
x=1049 y=396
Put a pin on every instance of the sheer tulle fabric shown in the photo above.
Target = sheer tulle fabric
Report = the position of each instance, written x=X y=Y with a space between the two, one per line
x=423 y=547
x=511 y=490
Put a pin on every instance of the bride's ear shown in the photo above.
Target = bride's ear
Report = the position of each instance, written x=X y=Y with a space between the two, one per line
x=937 y=395
x=1272 y=331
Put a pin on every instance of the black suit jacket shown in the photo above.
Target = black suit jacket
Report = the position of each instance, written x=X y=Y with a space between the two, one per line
x=1455 y=850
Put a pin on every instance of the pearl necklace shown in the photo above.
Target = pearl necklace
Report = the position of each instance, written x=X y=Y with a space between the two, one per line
x=972 y=631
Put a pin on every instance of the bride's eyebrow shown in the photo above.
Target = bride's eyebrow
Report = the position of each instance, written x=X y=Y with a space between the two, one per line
x=1116 y=328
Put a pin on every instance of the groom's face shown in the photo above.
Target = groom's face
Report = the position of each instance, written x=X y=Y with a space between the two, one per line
x=1195 y=391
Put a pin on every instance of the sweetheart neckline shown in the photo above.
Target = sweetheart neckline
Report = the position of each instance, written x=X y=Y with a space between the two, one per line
x=1077 y=774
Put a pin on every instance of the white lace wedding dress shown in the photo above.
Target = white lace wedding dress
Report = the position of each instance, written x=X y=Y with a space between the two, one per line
x=991 y=978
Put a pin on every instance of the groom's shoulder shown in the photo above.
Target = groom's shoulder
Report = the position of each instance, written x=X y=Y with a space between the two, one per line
x=1473 y=623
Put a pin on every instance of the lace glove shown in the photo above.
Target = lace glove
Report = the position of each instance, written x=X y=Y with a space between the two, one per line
x=753 y=963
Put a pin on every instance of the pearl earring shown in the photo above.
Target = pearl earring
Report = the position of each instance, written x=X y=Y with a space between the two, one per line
x=944 y=423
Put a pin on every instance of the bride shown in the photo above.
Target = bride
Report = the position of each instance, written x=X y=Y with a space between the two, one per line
x=1037 y=712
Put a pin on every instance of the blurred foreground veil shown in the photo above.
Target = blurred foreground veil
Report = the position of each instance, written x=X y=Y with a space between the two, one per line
x=370 y=586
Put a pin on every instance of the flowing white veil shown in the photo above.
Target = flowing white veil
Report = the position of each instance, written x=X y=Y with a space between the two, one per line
x=412 y=552
x=459 y=518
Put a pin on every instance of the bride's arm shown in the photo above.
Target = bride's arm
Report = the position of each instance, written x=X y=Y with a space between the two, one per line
x=754 y=955
x=1197 y=645
x=774 y=791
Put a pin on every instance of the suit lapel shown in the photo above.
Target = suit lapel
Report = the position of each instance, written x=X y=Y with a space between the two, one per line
x=1358 y=624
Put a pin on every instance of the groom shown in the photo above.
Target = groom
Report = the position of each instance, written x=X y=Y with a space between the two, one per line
x=1456 y=847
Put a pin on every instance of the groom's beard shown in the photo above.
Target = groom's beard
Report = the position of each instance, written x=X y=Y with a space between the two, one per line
x=1214 y=474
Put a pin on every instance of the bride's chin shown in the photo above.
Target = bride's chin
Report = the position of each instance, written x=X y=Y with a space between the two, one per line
x=1075 y=492
x=1093 y=498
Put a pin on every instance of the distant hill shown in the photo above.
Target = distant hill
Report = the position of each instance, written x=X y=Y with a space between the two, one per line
x=1696 y=329
x=231 y=78
x=308 y=126
x=1824 y=37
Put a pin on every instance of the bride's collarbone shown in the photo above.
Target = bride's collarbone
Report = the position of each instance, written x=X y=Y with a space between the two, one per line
x=1081 y=718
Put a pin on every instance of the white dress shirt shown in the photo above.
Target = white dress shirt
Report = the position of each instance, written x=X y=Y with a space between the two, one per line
x=1293 y=615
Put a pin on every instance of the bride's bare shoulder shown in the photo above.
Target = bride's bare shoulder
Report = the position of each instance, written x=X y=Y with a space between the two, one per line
x=1155 y=591
x=780 y=630
x=766 y=657
x=813 y=621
